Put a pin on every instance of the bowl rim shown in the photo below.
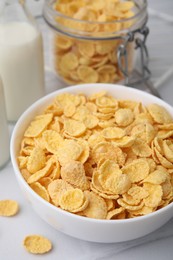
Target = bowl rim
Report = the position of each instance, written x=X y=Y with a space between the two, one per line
x=18 y=174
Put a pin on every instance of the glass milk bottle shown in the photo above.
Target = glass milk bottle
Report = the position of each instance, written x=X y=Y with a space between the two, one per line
x=4 y=132
x=21 y=58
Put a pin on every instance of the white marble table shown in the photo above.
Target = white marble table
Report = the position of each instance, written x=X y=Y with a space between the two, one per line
x=157 y=245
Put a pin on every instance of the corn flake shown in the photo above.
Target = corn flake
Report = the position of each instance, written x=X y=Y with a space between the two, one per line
x=74 y=128
x=155 y=195
x=68 y=62
x=52 y=140
x=8 y=208
x=87 y=74
x=40 y=190
x=136 y=170
x=159 y=114
x=70 y=150
x=36 y=244
x=115 y=213
x=141 y=149
x=124 y=116
x=113 y=133
x=41 y=173
x=38 y=125
x=73 y=172
x=71 y=200
x=96 y=208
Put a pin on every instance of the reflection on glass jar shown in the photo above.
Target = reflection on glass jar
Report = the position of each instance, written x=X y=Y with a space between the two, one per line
x=87 y=37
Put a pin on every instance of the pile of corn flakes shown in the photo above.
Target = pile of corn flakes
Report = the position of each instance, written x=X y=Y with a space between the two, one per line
x=90 y=61
x=100 y=157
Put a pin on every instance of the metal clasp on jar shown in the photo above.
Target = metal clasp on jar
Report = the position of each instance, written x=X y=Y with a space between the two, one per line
x=138 y=37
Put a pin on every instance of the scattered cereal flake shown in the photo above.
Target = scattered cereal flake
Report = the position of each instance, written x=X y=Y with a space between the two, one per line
x=36 y=244
x=8 y=208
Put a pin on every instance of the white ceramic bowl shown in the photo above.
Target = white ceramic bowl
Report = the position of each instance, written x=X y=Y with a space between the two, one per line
x=105 y=231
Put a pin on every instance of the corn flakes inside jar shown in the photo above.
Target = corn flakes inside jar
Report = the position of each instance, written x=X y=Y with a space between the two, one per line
x=94 y=41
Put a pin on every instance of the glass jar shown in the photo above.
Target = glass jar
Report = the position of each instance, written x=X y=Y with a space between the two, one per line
x=21 y=58
x=86 y=51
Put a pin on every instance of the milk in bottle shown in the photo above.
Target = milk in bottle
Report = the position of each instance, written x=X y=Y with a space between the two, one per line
x=21 y=58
